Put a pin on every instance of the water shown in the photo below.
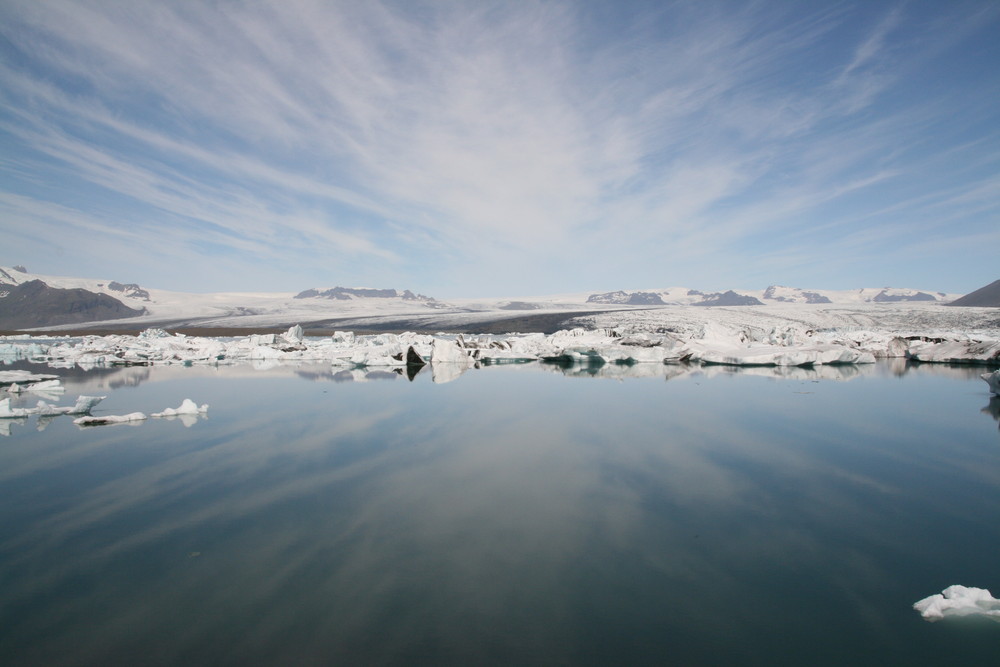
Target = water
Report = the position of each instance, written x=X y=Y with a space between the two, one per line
x=514 y=516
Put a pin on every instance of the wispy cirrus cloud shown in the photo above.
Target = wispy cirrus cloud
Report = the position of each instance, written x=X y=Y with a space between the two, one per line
x=356 y=141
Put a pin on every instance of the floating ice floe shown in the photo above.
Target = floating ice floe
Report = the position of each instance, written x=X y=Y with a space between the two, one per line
x=83 y=406
x=110 y=419
x=43 y=387
x=993 y=380
x=959 y=601
x=14 y=377
x=187 y=407
x=956 y=351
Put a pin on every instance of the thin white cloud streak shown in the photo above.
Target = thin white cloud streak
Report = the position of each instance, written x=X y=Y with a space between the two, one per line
x=479 y=129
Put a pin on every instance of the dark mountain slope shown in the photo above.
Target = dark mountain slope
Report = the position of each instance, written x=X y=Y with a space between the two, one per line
x=35 y=304
x=988 y=297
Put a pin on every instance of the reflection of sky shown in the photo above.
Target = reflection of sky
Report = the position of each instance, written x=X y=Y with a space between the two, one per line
x=510 y=516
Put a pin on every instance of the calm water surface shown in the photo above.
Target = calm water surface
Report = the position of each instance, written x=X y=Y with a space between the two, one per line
x=514 y=516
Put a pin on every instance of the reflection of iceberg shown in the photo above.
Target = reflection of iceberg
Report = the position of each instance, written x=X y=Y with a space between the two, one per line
x=993 y=380
x=838 y=372
x=614 y=371
x=959 y=601
x=5 y=424
x=993 y=408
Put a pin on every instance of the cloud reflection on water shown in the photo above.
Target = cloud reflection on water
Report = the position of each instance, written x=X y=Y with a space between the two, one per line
x=508 y=515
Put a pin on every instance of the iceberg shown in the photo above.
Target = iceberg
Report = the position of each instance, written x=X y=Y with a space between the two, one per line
x=12 y=377
x=44 y=386
x=83 y=406
x=450 y=352
x=959 y=601
x=993 y=380
x=749 y=338
x=294 y=335
x=187 y=407
x=110 y=419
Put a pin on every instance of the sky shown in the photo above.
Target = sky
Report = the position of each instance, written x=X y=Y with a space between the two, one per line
x=472 y=149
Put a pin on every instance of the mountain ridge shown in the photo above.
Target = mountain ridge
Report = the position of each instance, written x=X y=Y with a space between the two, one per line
x=361 y=306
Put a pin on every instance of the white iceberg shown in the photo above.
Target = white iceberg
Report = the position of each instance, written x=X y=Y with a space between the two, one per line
x=993 y=380
x=293 y=335
x=83 y=406
x=959 y=601
x=43 y=387
x=187 y=407
x=10 y=377
x=449 y=352
x=110 y=419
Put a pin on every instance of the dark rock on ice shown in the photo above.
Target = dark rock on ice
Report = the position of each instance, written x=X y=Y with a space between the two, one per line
x=729 y=298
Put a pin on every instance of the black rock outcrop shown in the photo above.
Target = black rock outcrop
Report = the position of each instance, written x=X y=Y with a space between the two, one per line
x=884 y=297
x=729 y=298
x=348 y=293
x=627 y=298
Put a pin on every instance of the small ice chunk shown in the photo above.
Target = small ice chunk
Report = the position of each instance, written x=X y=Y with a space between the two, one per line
x=187 y=407
x=109 y=419
x=84 y=404
x=993 y=380
x=45 y=386
x=294 y=334
x=449 y=352
x=959 y=601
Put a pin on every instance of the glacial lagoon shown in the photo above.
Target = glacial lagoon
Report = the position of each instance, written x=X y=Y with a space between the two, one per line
x=517 y=515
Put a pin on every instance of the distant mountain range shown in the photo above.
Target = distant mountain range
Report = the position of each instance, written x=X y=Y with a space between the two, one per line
x=32 y=301
x=679 y=296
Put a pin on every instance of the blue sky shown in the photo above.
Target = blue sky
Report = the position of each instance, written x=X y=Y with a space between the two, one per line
x=502 y=149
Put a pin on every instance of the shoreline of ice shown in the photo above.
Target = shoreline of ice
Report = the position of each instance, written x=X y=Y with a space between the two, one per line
x=713 y=342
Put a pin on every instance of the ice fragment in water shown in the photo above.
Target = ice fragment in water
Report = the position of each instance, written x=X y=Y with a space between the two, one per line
x=959 y=601
x=187 y=407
